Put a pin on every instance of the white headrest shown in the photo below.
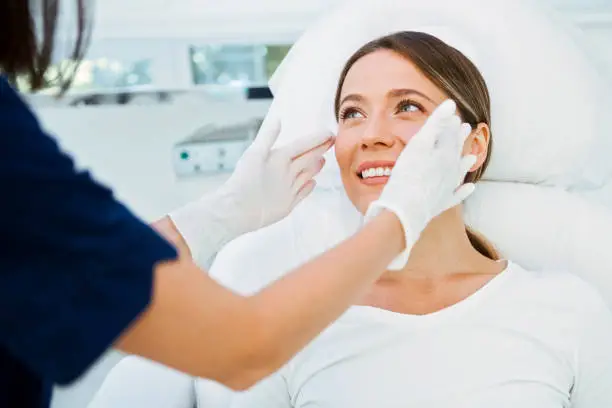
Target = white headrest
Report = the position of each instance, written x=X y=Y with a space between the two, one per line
x=546 y=228
x=551 y=106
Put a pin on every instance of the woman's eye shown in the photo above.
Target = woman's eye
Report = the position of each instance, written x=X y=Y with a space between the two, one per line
x=350 y=113
x=408 y=107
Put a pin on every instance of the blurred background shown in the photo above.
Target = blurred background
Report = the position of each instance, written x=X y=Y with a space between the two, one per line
x=173 y=90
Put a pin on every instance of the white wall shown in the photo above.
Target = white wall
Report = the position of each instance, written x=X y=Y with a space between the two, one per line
x=210 y=18
x=204 y=18
x=600 y=35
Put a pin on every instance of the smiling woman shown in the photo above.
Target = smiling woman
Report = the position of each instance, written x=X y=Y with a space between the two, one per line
x=386 y=91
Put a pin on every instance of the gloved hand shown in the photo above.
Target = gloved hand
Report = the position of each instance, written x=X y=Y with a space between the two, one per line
x=427 y=178
x=264 y=188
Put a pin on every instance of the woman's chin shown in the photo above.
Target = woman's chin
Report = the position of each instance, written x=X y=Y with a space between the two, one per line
x=364 y=201
x=362 y=195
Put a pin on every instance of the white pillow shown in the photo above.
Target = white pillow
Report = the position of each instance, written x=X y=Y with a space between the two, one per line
x=551 y=104
x=546 y=228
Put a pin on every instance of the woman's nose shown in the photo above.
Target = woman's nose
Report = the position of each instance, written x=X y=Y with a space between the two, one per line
x=378 y=133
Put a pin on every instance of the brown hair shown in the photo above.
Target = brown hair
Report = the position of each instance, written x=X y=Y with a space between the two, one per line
x=456 y=76
x=24 y=54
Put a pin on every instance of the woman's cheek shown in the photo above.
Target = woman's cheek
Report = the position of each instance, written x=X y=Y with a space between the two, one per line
x=406 y=130
x=343 y=147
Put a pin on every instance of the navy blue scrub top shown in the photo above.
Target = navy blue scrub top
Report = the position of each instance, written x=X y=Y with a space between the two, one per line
x=76 y=267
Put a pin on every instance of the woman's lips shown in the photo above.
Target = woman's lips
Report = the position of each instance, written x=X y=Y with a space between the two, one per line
x=373 y=164
x=366 y=172
x=374 y=181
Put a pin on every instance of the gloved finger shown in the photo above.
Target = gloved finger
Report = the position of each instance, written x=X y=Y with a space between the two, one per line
x=304 y=192
x=447 y=135
x=464 y=132
x=307 y=159
x=429 y=133
x=463 y=192
x=307 y=145
x=268 y=133
x=467 y=162
x=307 y=174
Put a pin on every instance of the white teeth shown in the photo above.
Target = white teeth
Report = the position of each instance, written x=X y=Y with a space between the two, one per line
x=376 y=172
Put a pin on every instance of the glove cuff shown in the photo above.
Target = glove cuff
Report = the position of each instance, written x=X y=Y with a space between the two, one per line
x=204 y=227
x=411 y=235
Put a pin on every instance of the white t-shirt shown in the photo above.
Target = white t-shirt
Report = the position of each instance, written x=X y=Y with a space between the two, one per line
x=525 y=340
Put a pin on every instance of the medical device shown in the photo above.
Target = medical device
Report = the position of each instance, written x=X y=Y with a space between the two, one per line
x=213 y=149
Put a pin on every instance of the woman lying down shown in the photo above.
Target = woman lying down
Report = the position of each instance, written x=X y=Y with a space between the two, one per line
x=458 y=326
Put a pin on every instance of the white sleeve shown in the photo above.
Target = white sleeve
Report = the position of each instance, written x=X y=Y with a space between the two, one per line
x=593 y=381
x=270 y=393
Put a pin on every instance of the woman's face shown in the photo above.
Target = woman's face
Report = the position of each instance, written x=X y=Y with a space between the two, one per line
x=384 y=101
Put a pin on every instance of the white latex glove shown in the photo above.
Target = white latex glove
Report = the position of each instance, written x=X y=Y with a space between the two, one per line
x=427 y=177
x=264 y=188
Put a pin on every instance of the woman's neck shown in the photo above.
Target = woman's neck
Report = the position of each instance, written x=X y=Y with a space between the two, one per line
x=443 y=269
x=443 y=250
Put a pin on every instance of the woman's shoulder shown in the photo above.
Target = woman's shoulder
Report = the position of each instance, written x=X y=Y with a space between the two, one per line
x=558 y=287
x=554 y=306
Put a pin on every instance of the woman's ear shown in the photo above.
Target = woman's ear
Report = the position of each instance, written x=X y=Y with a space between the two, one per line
x=477 y=143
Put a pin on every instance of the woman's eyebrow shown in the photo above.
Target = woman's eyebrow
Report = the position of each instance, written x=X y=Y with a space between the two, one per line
x=396 y=93
x=393 y=93
x=352 y=97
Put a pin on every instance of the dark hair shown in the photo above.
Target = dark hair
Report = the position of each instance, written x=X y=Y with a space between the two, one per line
x=25 y=54
x=455 y=75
